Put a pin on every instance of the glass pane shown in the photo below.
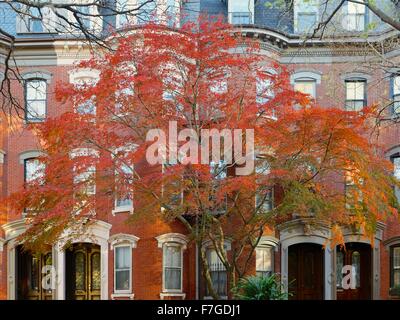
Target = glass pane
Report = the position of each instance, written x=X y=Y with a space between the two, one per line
x=147 y=11
x=354 y=105
x=88 y=107
x=355 y=90
x=264 y=259
x=122 y=259
x=396 y=278
x=396 y=104
x=214 y=261
x=36 y=110
x=34 y=276
x=219 y=170
x=172 y=279
x=95 y=259
x=122 y=280
x=34 y=169
x=396 y=164
x=172 y=256
x=306 y=21
x=396 y=85
x=241 y=18
x=36 y=90
x=396 y=257
x=306 y=87
x=355 y=259
x=80 y=271
x=339 y=268
x=264 y=91
x=35 y=25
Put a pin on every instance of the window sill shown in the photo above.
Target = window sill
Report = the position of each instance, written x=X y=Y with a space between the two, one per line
x=131 y=296
x=172 y=294
x=122 y=209
x=211 y=298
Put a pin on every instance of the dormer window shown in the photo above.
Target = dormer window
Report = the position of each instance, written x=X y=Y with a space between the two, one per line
x=305 y=15
x=356 y=16
x=241 y=12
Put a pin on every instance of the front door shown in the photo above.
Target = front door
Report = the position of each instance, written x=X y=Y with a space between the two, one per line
x=357 y=256
x=32 y=274
x=306 y=271
x=83 y=272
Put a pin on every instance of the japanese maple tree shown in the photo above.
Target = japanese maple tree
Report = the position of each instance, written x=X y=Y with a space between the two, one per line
x=310 y=161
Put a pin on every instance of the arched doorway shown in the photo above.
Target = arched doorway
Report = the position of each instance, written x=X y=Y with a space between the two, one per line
x=31 y=275
x=357 y=256
x=83 y=272
x=306 y=265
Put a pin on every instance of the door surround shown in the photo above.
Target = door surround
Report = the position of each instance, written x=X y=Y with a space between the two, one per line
x=309 y=230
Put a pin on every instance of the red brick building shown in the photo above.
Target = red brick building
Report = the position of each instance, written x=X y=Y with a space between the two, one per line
x=155 y=260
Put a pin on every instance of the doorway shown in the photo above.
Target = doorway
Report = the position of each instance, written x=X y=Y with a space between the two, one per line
x=358 y=256
x=83 y=272
x=306 y=271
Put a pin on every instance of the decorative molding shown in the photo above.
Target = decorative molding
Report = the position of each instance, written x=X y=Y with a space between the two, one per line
x=83 y=72
x=2 y=241
x=131 y=296
x=306 y=74
x=269 y=241
x=123 y=238
x=172 y=237
x=356 y=75
x=391 y=242
x=14 y=228
x=30 y=154
x=165 y=295
x=37 y=74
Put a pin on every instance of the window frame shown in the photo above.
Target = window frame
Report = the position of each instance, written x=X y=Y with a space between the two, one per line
x=365 y=93
x=35 y=119
x=355 y=15
x=308 y=81
x=123 y=291
x=272 y=250
x=164 y=267
x=395 y=96
x=396 y=291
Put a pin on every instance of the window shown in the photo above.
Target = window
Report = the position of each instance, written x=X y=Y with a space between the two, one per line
x=172 y=267
x=355 y=95
x=396 y=163
x=354 y=196
x=172 y=13
x=264 y=93
x=306 y=86
x=339 y=268
x=241 y=18
x=124 y=180
x=218 y=273
x=305 y=15
x=122 y=20
x=395 y=267
x=146 y=12
x=396 y=95
x=84 y=16
x=84 y=177
x=264 y=261
x=306 y=21
x=356 y=16
x=36 y=93
x=240 y=12
x=34 y=169
x=264 y=194
x=35 y=24
x=219 y=169
x=81 y=81
x=123 y=269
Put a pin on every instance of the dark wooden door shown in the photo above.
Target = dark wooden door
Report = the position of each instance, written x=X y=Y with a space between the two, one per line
x=30 y=275
x=83 y=272
x=358 y=256
x=306 y=271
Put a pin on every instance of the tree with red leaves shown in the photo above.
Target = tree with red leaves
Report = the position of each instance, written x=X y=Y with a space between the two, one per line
x=310 y=161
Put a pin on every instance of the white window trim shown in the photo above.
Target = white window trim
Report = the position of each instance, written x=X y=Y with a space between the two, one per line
x=123 y=240
x=165 y=290
x=176 y=238
x=75 y=74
